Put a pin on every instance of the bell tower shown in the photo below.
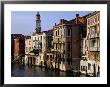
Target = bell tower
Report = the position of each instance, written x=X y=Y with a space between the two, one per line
x=38 y=23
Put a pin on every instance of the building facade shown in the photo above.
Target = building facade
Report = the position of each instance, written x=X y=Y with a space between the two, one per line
x=78 y=30
x=90 y=64
x=17 y=46
x=66 y=44
x=37 y=47
x=61 y=44
x=27 y=48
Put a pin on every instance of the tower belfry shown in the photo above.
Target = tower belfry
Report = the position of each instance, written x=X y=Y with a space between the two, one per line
x=38 y=23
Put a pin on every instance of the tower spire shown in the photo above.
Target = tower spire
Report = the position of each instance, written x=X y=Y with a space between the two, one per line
x=38 y=14
x=38 y=23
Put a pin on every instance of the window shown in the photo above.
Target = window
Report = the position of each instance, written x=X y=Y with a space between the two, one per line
x=50 y=56
x=93 y=43
x=56 y=33
x=41 y=37
x=29 y=48
x=68 y=33
x=26 y=49
x=47 y=56
x=29 y=42
x=60 y=46
x=64 y=32
x=56 y=46
x=88 y=22
x=93 y=30
x=60 y=32
x=95 y=19
x=91 y=21
x=68 y=55
x=68 y=46
x=89 y=66
x=41 y=45
x=84 y=68
x=69 y=62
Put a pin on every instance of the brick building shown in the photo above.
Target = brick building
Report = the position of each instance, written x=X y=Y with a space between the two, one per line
x=17 y=45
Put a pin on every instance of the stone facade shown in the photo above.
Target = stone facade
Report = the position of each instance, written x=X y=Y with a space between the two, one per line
x=36 y=42
x=91 y=48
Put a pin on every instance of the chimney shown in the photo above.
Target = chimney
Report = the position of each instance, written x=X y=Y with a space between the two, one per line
x=61 y=20
x=77 y=15
x=55 y=24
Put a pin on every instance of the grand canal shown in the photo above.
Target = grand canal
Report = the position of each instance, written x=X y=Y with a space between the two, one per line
x=20 y=70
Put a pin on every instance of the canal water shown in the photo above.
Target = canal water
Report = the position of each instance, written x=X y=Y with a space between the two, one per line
x=20 y=70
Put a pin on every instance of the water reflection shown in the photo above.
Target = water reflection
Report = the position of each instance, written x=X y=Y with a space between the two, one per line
x=19 y=70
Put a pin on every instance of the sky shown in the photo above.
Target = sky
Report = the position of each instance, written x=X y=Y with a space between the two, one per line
x=24 y=22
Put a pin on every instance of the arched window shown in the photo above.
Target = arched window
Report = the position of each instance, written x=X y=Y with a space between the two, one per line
x=56 y=33
x=94 y=30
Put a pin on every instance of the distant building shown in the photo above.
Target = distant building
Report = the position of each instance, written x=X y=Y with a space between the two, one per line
x=17 y=46
x=90 y=63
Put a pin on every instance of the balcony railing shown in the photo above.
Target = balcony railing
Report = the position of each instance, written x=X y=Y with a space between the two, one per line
x=94 y=48
x=94 y=35
x=59 y=40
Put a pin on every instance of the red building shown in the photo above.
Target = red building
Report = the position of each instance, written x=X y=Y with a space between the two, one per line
x=17 y=45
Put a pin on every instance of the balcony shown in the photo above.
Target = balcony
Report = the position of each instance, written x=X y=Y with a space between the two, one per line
x=63 y=40
x=94 y=48
x=94 y=35
x=59 y=40
x=55 y=40
x=91 y=35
